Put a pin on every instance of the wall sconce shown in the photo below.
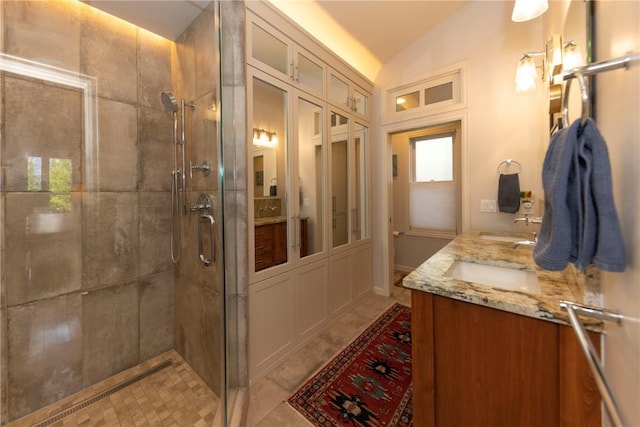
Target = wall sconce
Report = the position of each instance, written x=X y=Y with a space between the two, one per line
x=556 y=57
x=525 y=10
x=526 y=73
x=571 y=56
x=264 y=138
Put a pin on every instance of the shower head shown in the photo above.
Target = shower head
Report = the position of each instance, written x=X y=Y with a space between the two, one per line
x=169 y=102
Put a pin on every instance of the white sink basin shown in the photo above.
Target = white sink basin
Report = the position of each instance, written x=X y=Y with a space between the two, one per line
x=500 y=237
x=512 y=279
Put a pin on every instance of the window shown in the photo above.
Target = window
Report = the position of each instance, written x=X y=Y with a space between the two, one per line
x=434 y=194
x=439 y=92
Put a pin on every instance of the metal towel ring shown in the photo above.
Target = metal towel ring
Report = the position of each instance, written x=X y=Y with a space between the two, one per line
x=508 y=163
x=584 y=92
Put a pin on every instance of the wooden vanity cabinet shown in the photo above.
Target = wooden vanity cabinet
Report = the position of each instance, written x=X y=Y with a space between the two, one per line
x=478 y=366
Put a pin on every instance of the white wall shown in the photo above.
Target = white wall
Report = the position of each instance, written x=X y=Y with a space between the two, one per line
x=501 y=123
x=618 y=118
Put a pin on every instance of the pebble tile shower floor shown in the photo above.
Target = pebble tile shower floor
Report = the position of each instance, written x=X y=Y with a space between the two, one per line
x=169 y=393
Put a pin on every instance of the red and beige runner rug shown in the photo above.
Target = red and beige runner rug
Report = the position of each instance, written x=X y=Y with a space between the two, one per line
x=369 y=383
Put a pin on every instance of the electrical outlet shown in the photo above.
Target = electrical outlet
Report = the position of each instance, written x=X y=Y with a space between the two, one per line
x=526 y=202
x=487 y=205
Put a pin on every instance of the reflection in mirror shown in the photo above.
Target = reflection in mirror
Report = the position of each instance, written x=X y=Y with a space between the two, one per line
x=360 y=218
x=339 y=179
x=270 y=208
x=311 y=177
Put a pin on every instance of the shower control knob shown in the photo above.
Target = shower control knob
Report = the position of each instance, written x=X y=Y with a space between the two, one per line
x=205 y=167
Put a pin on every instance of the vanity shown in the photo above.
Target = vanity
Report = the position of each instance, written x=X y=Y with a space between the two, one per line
x=503 y=353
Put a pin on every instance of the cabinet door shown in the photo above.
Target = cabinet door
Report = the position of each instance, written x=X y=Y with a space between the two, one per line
x=360 y=102
x=339 y=91
x=493 y=368
x=309 y=192
x=309 y=72
x=340 y=179
x=269 y=115
x=339 y=283
x=271 y=323
x=344 y=93
x=268 y=49
x=360 y=226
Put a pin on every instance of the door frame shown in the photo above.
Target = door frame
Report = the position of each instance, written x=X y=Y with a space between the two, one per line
x=385 y=265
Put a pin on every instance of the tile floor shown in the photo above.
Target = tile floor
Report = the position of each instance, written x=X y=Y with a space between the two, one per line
x=172 y=396
x=176 y=396
x=268 y=405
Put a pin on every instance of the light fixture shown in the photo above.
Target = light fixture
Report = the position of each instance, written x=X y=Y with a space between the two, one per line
x=400 y=100
x=526 y=73
x=264 y=138
x=571 y=56
x=524 y=10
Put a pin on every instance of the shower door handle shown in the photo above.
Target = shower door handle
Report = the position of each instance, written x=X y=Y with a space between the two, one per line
x=207 y=218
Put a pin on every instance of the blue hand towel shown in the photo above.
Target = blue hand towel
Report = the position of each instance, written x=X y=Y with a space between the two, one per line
x=509 y=193
x=580 y=224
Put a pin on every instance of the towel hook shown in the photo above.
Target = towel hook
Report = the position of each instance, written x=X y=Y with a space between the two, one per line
x=584 y=94
x=508 y=163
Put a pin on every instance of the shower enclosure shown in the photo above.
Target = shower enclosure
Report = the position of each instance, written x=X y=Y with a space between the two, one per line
x=116 y=250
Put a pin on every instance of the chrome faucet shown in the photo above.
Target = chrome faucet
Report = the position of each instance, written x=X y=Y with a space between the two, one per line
x=527 y=220
x=526 y=242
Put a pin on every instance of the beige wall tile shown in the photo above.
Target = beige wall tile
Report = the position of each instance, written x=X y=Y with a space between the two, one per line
x=44 y=352
x=118 y=149
x=154 y=69
x=155 y=130
x=108 y=52
x=45 y=255
x=110 y=241
x=36 y=30
x=110 y=331
x=155 y=233
x=197 y=329
x=156 y=314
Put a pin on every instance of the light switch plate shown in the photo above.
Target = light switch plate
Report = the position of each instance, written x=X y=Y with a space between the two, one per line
x=487 y=205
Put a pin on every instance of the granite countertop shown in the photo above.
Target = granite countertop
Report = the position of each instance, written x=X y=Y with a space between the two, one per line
x=270 y=220
x=431 y=276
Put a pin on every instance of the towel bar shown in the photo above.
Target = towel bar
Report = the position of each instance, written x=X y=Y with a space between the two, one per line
x=591 y=354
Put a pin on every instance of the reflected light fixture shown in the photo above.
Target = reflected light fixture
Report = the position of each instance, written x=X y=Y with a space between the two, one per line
x=400 y=100
x=525 y=10
x=571 y=56
x=264 y=138
x=526 y=73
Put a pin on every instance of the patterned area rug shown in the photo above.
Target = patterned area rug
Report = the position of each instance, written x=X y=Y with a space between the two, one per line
x=369 y=383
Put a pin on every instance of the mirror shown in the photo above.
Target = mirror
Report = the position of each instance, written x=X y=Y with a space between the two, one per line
x=360 y=217
x=577 y=28
x=339 y=179
x=311 y=177
x=270 y=111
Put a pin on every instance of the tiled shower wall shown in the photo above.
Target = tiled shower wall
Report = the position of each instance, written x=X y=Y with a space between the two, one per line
x=199 y=289
x=87 y=281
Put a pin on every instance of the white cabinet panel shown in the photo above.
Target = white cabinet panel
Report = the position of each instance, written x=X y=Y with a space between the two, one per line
x=271 y=321
x=311 y=298
x=339 y=283
x=361 y=277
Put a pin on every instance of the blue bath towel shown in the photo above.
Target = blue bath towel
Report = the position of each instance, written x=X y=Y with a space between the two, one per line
x=580 y=223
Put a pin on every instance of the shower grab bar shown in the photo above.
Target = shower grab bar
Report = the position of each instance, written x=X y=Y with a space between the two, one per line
x=573 y=309
x=212 y=240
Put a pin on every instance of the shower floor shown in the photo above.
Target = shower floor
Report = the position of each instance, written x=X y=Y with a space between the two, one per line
x=169 y=396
